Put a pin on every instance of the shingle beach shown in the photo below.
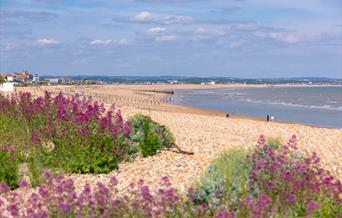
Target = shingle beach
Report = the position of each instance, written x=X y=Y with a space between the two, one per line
x=206 y=133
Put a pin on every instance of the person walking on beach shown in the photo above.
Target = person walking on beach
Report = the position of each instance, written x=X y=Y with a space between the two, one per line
x=268 y=118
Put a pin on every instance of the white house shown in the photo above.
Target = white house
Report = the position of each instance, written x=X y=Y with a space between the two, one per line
x=35 y=79
x=172 y=82
x=7 y=87
x=10 y=79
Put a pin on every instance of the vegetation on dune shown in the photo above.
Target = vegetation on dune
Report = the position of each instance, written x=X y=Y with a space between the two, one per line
x=9 y=166
x=224 y=181
x=149 y=136
x=72 y=134
x=272 y=180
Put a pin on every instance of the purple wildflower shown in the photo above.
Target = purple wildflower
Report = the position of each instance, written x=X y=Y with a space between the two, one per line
x=23 y=183
x=312 y=206
x=4 y=188
x=13 y=210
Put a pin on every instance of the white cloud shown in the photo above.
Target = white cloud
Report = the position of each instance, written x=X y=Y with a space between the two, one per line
x=167 y=38
x=47 y=41
x=247 y=26
x=156 y=30
x=148 y=17
x=279 y=36
x=214 y=32
x=289 y=38
x=200 y=30
x=143 y=16
x=109 y=42
x=202 y=34
x=236 y=44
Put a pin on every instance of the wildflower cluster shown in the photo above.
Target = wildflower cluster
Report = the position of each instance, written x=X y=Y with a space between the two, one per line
x=284 y=182
x=58 y=197
x=73 y=133
x=272 y=181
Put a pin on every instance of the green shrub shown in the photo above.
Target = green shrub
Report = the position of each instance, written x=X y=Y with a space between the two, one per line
x=2 y=80
x=86 y=159
x=225 y=180
x=274 y=142
x=14 y=132
x=35 y=167
x=9 y=166
x=91 y=159
x=148 y=136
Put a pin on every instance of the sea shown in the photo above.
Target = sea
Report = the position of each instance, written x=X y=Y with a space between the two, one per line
x=319 y=106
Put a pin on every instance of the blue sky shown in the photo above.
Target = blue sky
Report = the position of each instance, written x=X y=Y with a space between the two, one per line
x=234 y=38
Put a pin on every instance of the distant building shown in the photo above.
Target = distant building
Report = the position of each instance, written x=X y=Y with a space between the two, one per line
x=172 y=82
x=9 y=78
x=19 y=77
x=23 y=76
x=64 y=80
x=88 y=82
x=35 y=79
x=52 y=80
x=208 y=83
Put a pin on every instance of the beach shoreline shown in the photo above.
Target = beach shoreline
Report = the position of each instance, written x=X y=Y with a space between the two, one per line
x=187 y=108
x=212 y=112
x=162 y=92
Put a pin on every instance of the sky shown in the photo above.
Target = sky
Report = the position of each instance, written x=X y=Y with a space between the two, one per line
x=232 y=38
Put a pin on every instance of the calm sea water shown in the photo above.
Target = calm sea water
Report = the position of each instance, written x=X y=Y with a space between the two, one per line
x=319 y=106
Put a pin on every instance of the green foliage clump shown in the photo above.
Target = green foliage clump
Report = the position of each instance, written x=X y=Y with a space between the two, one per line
x=225 y=180
x=149 y=136
x=87 y=159
x=14 y=132
x=274 y=142
x=35 y=168
x=2 y=80
x=9 y=166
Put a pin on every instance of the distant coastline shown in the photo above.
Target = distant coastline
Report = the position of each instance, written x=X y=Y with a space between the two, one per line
x=201 y=80
x=27 y=78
